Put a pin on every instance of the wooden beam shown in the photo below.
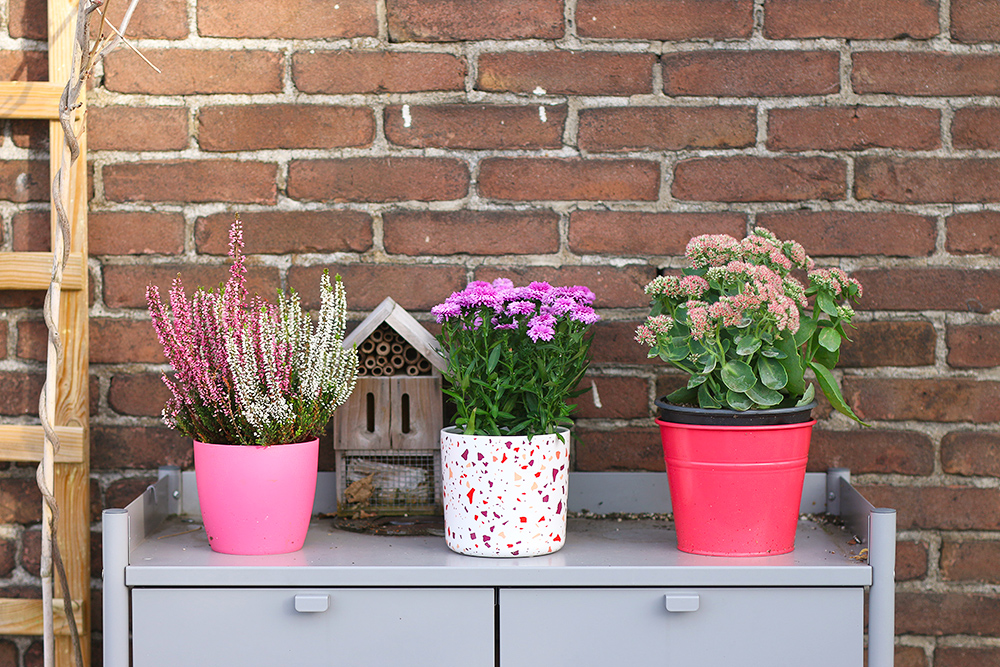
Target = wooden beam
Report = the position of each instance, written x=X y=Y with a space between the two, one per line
x=23 y=442
x=24 y=617
x=30 y=99
x=33 y=271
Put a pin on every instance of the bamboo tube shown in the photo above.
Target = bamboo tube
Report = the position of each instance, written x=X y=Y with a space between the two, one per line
x=370 y=362
x=396 y=348
x=366 y=347
x=382 y=349
x=424 y=366
x=376 y=335
x=397 y=361
x=411 y=355
x=376 y=371
x=412 y=370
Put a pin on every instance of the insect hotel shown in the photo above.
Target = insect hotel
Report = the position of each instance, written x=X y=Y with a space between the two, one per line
x=386 y=436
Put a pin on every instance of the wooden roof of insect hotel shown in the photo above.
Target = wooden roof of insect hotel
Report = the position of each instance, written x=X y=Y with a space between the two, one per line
x=395 y=316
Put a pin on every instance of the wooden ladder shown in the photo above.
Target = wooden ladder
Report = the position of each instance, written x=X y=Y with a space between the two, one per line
x=32 y=271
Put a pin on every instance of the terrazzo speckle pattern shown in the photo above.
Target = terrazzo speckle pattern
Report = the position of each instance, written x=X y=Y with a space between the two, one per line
x=504 y=496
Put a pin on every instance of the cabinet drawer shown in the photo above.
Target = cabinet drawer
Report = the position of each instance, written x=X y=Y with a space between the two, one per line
x=267 y=627
x=707 y=627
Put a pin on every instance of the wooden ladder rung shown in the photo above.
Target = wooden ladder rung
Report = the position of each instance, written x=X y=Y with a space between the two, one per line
x=30 y=99
x=24 y=617
x=33 y=270
x=24 y=442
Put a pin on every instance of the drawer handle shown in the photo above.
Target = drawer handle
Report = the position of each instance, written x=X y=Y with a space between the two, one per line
x=312 y=603
x=679 y=603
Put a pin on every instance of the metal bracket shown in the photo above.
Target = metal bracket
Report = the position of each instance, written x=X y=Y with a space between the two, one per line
x=833 y=477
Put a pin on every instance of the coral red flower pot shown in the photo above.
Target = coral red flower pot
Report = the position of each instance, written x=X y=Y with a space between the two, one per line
x=736 y=490
x=256 y=500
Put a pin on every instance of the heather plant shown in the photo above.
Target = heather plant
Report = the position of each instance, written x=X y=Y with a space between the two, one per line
x=248 y=372
x=745 y=329
x=515 y=355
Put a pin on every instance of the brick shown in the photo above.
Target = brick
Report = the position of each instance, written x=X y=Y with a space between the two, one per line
x=872 y=451
x=20 y=501
x=30 y=133
x=125 y=285
x=193 y=72
x=972 y=290
x=971 y=453
x=975 y=233
x=526 y=179
x=195 y=181
x=120 y=341
x=973 y=346
x=855 y=233
x=613 y=287
x=664 y=19
x=975 y=20
x=3 y=339
x=263 y=126
x=162 y=20
x=114 y=447
x=378 y=179
x=909 y=656
x=476 y=126
x=853 y=128
x=141 y=395
x=31 y=552
x=8 y=557
x=135 y=233
x=470 y=232
x=975 y=128
x=644 y=234
x=954 y=656
x=751 y=73
x=19 y=393
x=928 y=400
x=928 y=180
x=24 y=66
x=851 y=19
x=971 y=560
x=22 y=299
x=619 y=398
x=567 y=72
x=926 y=73
x=667 y=128
x=295 y=19
x=458 y=21
x=335 y=72
x=32 y=340
x=939 y=614
x=619 y=449
x=911 y=560
x=416 y=287
x=938 y=507
x=893 y=343
x=748 y=179
x=137 y=128
x=614 y=345
x=285 y=232
x=24 y=181
x=30 y=231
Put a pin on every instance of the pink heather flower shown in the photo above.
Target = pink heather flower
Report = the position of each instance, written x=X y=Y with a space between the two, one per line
x=712 y=250
x=699 y=318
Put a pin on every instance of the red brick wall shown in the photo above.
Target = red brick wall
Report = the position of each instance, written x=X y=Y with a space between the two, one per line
x=413 y=145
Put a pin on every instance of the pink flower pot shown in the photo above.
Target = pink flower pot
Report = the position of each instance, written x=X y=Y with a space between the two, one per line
x=736 y=490
x=256 y=500
x=505 y=496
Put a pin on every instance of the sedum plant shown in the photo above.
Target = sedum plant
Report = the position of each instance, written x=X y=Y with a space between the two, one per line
x=248 y=372
x=745 y=329
x=515 y=355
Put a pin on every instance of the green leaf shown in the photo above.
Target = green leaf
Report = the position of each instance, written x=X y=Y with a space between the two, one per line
x=807 y=397
x=705 y=398
x=738 y=375
x=738 y=401
x=709 y=365
x=747 y=345
x=491 y=363
x=773 y=353
x=772 y=373
x=829 y=338
x=792 y=364
x=826 y=303
x=807 y=327
x=696 y=380
x=682 y=396
x=764 y=396
x=831 y=390
x=826 y=358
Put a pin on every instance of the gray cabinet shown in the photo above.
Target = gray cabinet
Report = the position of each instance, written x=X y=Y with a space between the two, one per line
x=617 y=593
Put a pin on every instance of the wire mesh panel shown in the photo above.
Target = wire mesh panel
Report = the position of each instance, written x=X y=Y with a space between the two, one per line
x=387 y=482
